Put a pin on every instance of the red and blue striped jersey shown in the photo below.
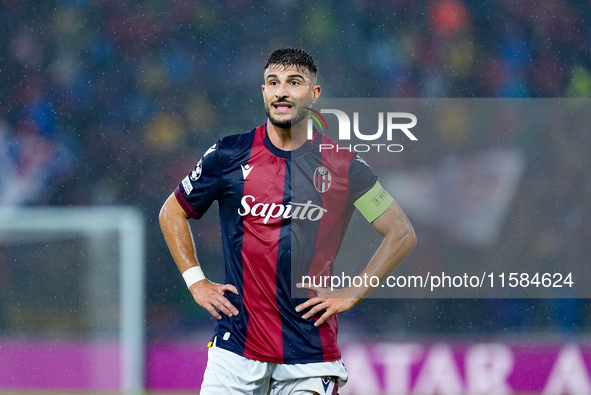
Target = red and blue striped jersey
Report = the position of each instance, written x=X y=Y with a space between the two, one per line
x=283 y=214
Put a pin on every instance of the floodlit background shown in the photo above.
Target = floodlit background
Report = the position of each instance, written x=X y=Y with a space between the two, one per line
x=112 y=102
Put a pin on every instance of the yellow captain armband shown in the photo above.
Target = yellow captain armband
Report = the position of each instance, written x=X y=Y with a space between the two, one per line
x=374 y=202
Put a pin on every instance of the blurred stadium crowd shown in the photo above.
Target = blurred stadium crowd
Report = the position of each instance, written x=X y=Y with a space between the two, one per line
x=112 y=102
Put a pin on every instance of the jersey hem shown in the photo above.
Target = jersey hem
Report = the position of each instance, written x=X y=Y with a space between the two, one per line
x=292 y=361
x=284 y=361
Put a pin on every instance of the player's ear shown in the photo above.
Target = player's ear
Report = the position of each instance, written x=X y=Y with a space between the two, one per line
x=315 y=93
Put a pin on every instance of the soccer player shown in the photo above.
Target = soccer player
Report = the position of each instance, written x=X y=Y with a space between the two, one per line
x=284 y=208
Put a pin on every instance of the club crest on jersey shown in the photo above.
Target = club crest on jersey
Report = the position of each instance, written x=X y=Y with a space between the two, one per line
x=195 y=174
x=322 y=179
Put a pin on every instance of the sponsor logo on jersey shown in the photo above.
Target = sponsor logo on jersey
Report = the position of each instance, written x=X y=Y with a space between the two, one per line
x=246 y=169
x=303 y=211
x=195 y=174
x=187 y=185
x=322 y=179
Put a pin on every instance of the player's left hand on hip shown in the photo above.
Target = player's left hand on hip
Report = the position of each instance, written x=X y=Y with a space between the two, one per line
x=327 y=302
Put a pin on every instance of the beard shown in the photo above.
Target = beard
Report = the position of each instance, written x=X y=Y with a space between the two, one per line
x=286 y=123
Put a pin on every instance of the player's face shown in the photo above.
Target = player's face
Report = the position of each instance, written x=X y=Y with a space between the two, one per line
x=286 y=92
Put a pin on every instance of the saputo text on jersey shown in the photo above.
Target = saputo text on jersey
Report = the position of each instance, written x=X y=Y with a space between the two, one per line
x=308 y=210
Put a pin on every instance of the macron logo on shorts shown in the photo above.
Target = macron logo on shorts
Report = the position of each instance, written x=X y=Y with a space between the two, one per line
x=325 y=384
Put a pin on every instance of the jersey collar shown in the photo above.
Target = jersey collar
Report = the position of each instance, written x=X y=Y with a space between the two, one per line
x=307 y=146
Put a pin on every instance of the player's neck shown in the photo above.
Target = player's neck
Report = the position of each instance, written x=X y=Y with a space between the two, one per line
x=287 y=139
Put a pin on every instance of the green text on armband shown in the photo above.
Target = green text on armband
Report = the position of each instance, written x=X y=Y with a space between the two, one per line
x=374 y=202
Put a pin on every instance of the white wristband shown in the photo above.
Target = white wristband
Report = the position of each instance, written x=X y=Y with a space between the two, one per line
x=192 y=275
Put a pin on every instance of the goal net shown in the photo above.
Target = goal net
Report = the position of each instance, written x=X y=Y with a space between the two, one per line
x=72 y=299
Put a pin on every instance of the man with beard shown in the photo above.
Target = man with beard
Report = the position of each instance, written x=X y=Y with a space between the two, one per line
x=284 y=208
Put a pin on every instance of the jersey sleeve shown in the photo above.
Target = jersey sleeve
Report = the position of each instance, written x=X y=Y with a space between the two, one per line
x=368 y=196
x=361 y=178
x=200 y=188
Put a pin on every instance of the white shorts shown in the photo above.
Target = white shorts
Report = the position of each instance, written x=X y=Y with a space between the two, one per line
x=229 y=373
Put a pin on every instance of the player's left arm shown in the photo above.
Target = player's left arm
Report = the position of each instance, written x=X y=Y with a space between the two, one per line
x=399 y=240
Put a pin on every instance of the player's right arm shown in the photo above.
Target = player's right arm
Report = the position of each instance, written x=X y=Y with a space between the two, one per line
x=175 y=228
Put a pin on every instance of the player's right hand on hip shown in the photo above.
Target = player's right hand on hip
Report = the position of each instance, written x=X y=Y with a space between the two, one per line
x=211 y=297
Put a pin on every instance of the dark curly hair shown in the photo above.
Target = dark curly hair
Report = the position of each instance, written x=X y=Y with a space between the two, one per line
x=291 y=56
